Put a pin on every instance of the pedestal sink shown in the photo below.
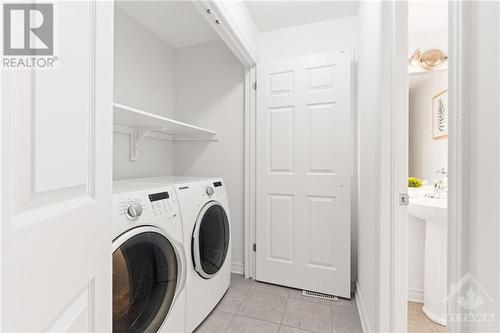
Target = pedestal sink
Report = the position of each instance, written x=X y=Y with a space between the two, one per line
x=435 y=213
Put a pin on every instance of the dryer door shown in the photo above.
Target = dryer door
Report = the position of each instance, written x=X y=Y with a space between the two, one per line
x=210 y=241
x=147 y=277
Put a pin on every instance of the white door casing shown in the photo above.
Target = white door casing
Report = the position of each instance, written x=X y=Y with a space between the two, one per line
x=56 y=174
x=304 y=169
x=394 y=141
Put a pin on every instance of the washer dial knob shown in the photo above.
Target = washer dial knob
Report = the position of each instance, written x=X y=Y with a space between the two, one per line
x=210 y=191
x=133 y=210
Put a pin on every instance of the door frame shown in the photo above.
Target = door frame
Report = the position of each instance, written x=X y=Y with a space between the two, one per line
x=393 y=241
x=250 y=165
x=396 y=269
x=459 y=100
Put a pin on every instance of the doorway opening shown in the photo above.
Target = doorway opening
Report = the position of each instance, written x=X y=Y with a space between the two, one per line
x=427 y=165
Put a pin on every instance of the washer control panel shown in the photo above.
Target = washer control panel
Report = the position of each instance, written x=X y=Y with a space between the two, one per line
x=162 y=203
x=142 y=204
x=159 y=204
x=133 y=210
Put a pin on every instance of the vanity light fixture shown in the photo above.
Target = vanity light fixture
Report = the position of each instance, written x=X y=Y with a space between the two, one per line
x=428 y=60
x=432 y=59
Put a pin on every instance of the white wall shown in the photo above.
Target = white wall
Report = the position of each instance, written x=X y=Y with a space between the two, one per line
x=428 y=40
x=369 y=16
x=426 y=154
x=474 y=188
x=320 y=37
x=144 y=79
x=209 y=93
x=427 y=25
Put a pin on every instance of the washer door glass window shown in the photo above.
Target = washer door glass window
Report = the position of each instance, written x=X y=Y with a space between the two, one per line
x=144 y=282
x=210 y=240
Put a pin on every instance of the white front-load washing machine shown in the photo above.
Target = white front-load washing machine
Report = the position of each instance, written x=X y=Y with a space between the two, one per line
x=206 y=225
x=149 y=261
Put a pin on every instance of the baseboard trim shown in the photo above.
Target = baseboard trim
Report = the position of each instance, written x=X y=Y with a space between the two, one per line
x=237 y=268
x=365 y=325
x=416 y=295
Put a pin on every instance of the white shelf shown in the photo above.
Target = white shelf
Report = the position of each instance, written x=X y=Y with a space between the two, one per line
x=127 y=116
x=140 y=124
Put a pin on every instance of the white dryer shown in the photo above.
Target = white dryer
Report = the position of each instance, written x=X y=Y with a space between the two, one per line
x=149 y=261
x=205 y=217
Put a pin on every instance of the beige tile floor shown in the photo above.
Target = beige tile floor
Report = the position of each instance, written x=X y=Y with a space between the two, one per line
x=255 y=307
x=418 y=322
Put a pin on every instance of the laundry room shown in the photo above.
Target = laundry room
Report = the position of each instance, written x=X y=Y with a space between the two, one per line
x=217 y=154
x=242 y=166
x=181 y=110
x=187 y=75
x=174 y=74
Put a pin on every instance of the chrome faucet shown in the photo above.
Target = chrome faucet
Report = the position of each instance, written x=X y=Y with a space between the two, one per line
x=441 y=183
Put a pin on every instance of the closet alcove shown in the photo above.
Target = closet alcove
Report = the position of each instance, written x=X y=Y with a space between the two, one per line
x=178 y=99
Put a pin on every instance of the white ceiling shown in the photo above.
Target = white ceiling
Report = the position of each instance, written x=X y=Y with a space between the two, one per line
x=427 y=16
x=272 y=15
x=177 y=23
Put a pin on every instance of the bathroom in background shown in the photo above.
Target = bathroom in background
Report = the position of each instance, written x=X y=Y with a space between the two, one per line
x=428 y=165
x=428 y=151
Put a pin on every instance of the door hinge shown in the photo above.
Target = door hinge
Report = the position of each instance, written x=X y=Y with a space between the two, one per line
x=254 y=247
x=254 y=85
x=404 y=199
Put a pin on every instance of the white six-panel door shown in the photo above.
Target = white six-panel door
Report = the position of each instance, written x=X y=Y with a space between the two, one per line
x=304 y=170
x=56 y=141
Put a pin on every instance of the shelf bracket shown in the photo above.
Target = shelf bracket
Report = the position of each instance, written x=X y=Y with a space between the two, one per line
x=136 y=137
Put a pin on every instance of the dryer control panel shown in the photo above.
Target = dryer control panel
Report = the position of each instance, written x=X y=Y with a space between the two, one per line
x=211 y=190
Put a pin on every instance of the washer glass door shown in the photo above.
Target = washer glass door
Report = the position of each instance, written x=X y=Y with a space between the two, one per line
x=145 y=273
x=210 y=240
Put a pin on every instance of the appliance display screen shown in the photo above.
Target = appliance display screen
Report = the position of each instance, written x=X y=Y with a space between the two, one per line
x=158 y=196
x=217 y=184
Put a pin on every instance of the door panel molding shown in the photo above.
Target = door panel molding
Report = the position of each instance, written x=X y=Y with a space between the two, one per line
x=78 y=312
x=51 y=277
x=304 y=138
x=33 y=195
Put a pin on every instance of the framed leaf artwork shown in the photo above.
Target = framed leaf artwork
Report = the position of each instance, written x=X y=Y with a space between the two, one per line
x=440 y=115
